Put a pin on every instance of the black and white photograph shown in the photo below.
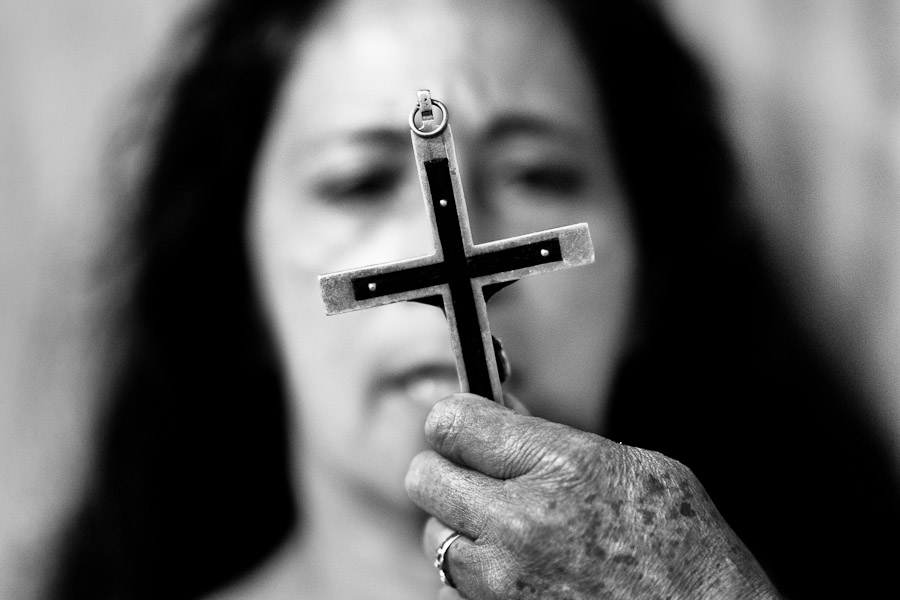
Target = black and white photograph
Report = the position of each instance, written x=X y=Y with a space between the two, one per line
x=443 y=300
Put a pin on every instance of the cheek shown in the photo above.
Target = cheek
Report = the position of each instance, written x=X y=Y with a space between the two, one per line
x=566 y=331
x=569 y=341
x=330 y=362
x=316 y=351
x=325 y=371
x=309 y=343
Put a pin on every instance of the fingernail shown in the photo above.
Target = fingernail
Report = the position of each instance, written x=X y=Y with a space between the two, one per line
x=504 y=367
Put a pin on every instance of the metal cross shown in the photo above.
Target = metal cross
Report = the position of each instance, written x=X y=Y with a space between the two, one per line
x=459 y=276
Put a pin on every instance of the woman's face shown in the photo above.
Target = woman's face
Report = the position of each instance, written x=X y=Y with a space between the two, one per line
x=336 y=187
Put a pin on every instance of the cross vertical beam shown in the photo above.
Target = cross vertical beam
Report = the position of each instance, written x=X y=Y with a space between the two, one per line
x=479 y=362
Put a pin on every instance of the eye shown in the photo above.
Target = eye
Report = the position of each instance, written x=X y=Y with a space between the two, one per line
x=367 y=186
x=552 y=180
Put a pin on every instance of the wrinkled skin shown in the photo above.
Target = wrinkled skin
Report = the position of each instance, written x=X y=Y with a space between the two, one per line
x=548 y=511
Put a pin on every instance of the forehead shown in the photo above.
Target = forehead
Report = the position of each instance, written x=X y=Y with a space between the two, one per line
x=363 y=61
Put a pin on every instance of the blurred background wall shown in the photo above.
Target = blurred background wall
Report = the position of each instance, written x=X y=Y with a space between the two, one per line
x=811 y=96
x=67 y=67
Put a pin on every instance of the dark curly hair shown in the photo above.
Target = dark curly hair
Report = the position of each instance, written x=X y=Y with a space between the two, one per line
x=191 y=487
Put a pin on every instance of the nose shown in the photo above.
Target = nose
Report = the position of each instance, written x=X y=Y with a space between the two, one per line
x=487 y=225
x=484 y=219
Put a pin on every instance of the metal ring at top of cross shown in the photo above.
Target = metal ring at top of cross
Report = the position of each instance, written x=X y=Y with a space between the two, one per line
x=424 y=107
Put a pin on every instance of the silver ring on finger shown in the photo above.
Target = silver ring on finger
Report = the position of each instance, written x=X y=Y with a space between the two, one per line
x=440 y=558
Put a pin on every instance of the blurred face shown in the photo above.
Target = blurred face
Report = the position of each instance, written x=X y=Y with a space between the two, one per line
x=335 y=187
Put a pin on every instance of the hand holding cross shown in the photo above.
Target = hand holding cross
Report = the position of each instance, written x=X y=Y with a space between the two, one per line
x=460 y=276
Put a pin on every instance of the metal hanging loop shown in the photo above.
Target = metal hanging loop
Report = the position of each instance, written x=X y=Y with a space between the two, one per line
x=445 y=118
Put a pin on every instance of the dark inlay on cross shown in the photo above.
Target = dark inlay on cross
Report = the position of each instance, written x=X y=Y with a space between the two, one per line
x=459 y=276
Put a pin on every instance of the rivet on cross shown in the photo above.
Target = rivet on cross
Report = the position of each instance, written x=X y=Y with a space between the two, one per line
x=459 y=276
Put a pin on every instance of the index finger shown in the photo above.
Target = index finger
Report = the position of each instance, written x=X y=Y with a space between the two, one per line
x=480 y=434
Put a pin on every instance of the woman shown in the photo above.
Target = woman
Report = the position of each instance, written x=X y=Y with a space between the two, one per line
x=282 y=155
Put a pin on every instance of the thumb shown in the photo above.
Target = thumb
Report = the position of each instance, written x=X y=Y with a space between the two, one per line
x=475 y=432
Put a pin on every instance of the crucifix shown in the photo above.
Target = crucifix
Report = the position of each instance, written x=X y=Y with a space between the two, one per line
x=460 y=276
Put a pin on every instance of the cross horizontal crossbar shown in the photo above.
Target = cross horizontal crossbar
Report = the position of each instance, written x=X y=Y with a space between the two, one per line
x=339 y=290
x=481 y=265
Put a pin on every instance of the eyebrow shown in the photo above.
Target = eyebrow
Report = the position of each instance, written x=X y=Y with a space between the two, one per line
x=387 y=138
x=511 y=125
x=498 y=130
x=382 y=136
